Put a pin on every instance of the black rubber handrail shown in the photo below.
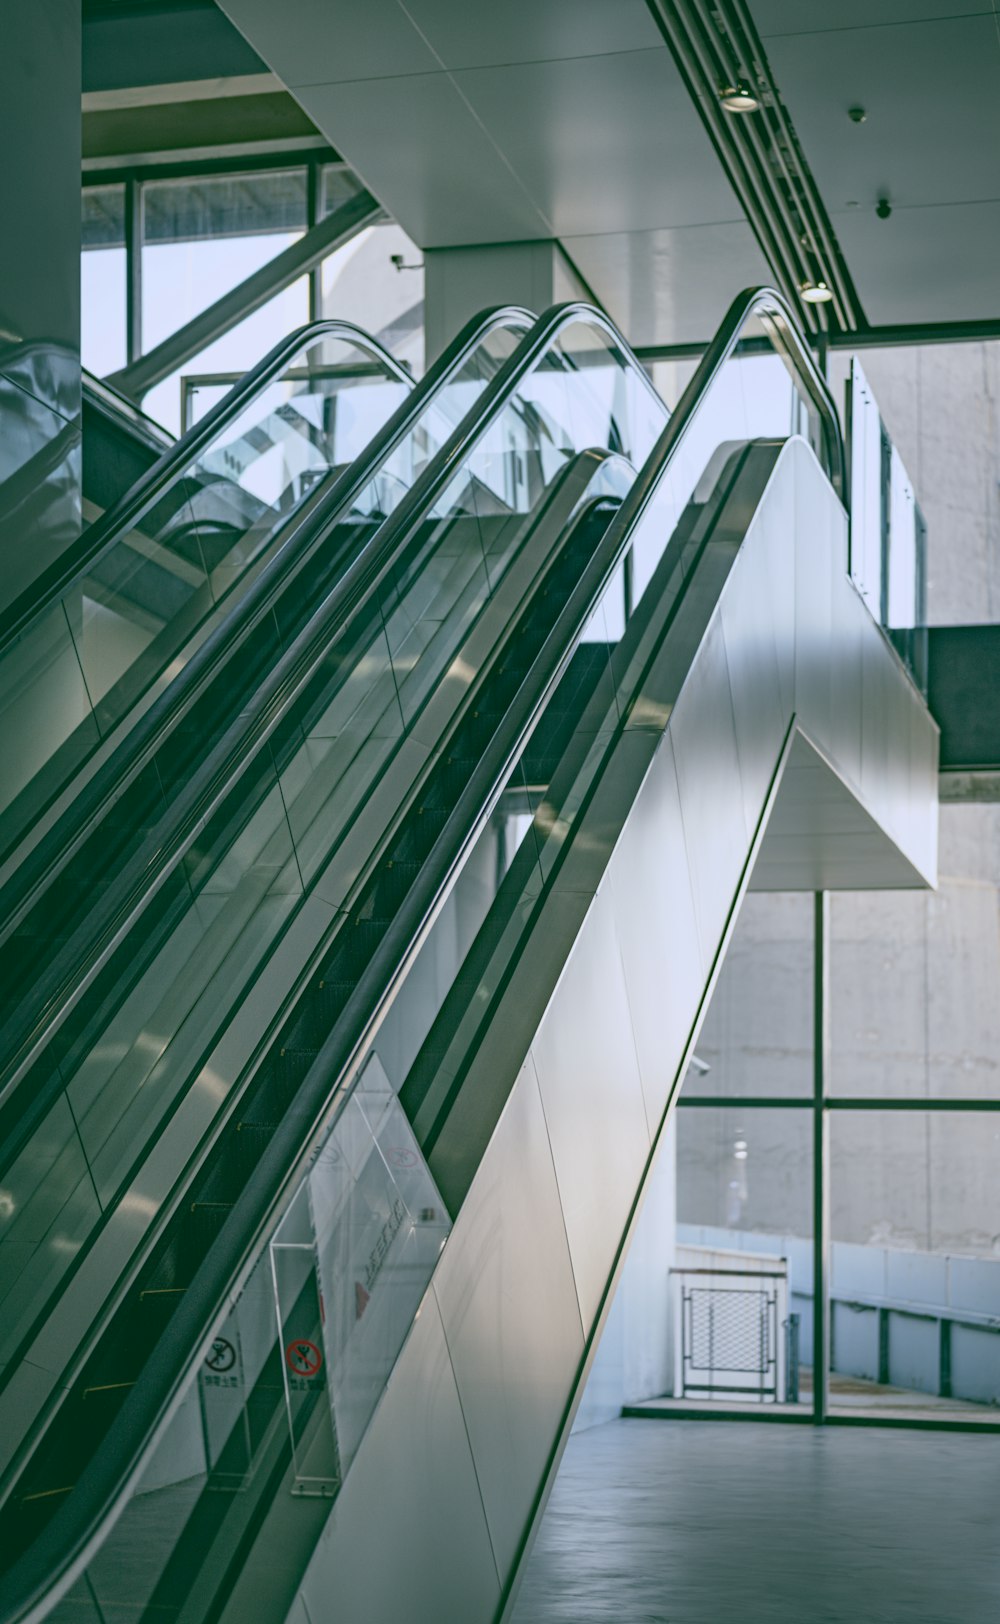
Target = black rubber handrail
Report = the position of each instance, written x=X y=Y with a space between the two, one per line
x=54 y=582
x=61 y=1553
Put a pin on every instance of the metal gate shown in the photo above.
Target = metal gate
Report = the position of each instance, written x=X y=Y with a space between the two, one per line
x=729 y=1334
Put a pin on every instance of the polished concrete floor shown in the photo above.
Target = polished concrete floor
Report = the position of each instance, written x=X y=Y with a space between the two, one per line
x=687 y=1522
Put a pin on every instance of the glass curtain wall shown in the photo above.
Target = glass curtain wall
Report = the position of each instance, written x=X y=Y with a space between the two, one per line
x=103 y=279
x=195 y=237
x=200 y=239
x=908 y=1110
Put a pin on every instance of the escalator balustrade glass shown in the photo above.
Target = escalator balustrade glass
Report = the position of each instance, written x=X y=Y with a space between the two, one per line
x=55 y=910
x=129 y=619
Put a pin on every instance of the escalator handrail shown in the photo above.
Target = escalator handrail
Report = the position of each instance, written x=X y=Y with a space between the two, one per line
x=207 y=787
x=81 y=556
x=751 y=302
x=38 y=869
x=61 y=1553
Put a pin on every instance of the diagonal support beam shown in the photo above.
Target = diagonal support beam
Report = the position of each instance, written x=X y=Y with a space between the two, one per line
x=141 y=375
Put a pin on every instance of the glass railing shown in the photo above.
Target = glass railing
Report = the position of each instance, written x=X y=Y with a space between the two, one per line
x=888 y=532
x=161 y=563
x=143 y=1054
x=58 y=905
x=80 y=1084
x=343 y=1220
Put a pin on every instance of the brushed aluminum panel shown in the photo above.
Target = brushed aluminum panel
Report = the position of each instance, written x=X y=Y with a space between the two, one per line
x=850 y=623
x=703 y=730
x=407 y=1537
x=748 y=628
x=875 y=718
x=508 y=1304
x=665 y=968
x=588 y=1075
x=813 y=611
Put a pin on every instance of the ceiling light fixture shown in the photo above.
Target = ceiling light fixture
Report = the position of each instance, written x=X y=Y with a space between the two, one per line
x=815 y=293
x=739 y=98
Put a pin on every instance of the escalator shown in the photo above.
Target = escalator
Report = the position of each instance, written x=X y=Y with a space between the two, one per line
x=257 y=511
x=494 y=841
x=133 y=1006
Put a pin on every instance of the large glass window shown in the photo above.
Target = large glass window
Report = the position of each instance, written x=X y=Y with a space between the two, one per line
x=909 y=1094
x=915 y=1264
x=757 y=1038
x=201 y=237
x=742 y=1271
x=102 y=279
x=377 y=281
x=915 y=996
x=228 y=357
x=197 y=237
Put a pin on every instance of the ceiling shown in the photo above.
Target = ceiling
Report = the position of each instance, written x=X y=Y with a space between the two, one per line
x=526 y=120
x=535 y=119
x=927 y=74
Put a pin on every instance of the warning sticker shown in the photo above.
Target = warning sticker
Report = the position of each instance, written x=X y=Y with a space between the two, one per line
x=221 y=1356
x=303 y=1358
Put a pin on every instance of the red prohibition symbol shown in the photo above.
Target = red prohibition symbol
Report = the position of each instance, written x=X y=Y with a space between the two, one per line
x=304 y=1358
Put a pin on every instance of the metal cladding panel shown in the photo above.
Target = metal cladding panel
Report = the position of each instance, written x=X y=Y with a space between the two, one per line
x=653 y=904
x=703 y=730
x=875 y=718
x=815 y=535
x=524 y=31
x=850 y=616
x=750 y=635
x=407 y=1537
x=508 y=1304
x=588 y=1075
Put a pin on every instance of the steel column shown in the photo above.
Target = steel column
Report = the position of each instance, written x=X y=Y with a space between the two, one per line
x=821 y=1199
x=133 y=269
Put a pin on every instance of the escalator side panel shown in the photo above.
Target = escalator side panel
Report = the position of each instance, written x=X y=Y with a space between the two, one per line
x=115 y=454
x=601 y=1041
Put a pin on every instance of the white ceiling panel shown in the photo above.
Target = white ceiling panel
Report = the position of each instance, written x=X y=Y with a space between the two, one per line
x=311 y=42
x=931 y=92
x=925 y=264
x=481 y=36
x=820 y=16
x=427 y=159
x=609 y=143
x=670 y=286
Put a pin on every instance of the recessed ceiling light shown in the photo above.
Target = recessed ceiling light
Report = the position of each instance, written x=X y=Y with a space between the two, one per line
x=739 y=98
x=815 y=292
